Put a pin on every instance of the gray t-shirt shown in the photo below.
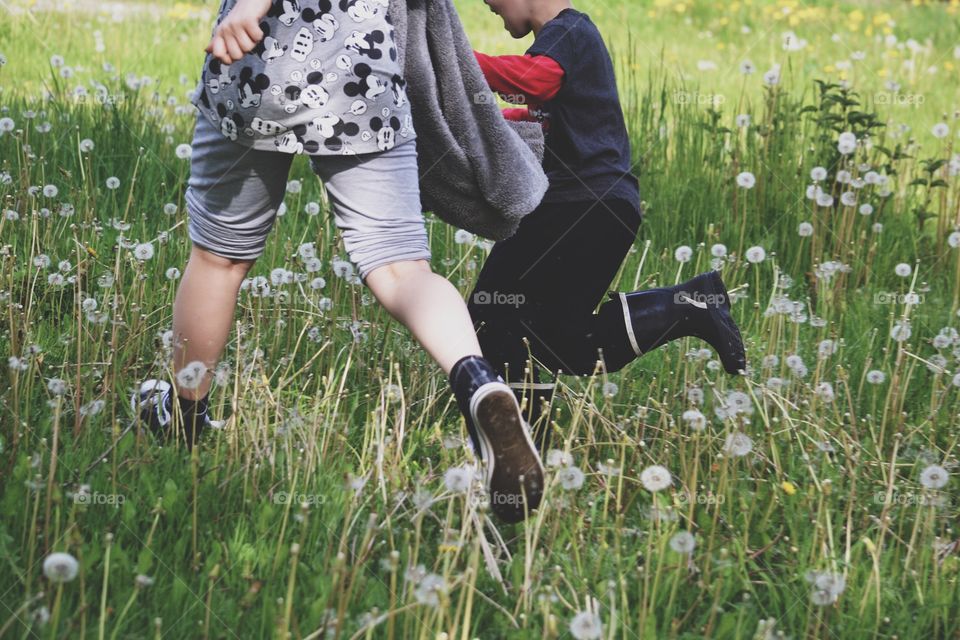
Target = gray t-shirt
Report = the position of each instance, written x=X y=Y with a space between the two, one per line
x=324 y=80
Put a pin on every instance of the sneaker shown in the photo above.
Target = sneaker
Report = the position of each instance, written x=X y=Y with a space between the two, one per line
x=152 y=402
x=513 y=472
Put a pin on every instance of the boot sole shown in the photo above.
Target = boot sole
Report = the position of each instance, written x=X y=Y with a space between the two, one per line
x=514 y=472
x=727 y=329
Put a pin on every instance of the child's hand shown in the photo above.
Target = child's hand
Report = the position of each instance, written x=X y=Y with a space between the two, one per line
x=239 y=31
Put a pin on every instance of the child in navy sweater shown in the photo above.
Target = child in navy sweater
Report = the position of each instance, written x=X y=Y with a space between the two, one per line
x=554 y=271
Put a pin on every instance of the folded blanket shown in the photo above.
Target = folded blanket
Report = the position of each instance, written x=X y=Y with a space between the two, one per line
x=477 y=171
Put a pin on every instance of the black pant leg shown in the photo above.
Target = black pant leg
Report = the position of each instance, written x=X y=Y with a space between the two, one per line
x=544 y=282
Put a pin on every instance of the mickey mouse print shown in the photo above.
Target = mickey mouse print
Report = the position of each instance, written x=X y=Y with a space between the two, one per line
x=324 y=80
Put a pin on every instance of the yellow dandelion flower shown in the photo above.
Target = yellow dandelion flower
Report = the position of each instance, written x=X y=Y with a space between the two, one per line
x=788 y=487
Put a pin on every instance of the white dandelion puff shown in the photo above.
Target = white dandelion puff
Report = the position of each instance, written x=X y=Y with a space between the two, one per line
x=458 y=479
x=143 y=251
x=558 y=458
x=191 y=375
x=60 y=567
x=695 y=419
x=586 y=625
x=683 y=542
x=755 y=255
x=746 y=180
x=934 y=477
x=738 y=444
x=655 y=478
x=940 y=130
x=571 y=478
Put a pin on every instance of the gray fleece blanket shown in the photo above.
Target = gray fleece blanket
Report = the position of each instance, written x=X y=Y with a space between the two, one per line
x=477 y=171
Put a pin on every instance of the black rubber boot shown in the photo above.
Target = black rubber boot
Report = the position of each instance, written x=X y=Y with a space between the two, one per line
x=513 y=472
x=699 y=307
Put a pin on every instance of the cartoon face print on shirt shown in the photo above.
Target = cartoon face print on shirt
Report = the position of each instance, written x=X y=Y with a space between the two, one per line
x=332 y=128
x=366 y=43
x=286 y=11
x=218 y=75
x=251 y=87
x=369 y=85
x=230 y=124
x=269 y=48
x=324 y=23
x=386 y=132
x=358 y=10
x=399 y=87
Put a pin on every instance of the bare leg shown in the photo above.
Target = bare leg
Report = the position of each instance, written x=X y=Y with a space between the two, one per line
x=203 y=312
x=429 y=306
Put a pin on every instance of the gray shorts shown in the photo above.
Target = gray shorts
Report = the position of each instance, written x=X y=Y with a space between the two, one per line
x=234 y=193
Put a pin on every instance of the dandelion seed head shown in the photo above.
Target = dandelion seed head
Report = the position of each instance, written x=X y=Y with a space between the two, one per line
x=683 y=542
x=934 y=477
x=60 y=567
x=571 y=478
x=191 y=375
x=458 y=479
x=143 y=251
x=738 y=444
x=586 y=625
x=755 y=255
x=746 y=180
x=655 y=478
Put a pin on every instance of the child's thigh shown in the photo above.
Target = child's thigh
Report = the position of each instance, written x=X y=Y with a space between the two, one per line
x=234 y=193
x=376 y=203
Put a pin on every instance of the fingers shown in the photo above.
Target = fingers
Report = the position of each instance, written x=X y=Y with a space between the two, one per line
x=219 y=49
x=233 y=38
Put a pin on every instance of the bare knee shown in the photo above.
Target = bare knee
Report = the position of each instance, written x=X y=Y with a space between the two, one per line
x=212 y=260
x=396 y=272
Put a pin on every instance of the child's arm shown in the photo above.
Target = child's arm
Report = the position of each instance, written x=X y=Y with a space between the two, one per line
x=522 y=79
x=239 y=31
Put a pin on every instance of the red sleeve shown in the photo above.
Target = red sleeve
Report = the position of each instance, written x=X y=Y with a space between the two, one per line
x=523 y=78
x=518 y=113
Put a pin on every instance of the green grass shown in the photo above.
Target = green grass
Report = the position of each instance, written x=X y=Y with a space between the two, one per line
x=327 y=401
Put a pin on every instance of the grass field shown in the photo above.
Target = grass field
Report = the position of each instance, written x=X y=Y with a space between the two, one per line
x=814 y=498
